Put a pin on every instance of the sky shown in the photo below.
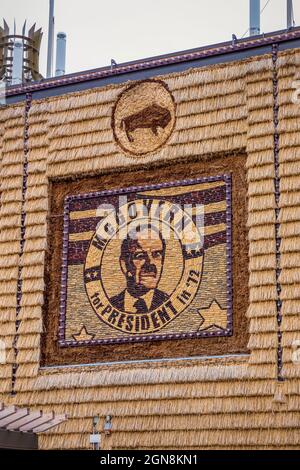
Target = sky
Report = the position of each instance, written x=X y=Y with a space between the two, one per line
x=99 y=30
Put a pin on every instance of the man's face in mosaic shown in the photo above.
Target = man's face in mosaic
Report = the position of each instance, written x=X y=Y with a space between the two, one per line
x=143 y=262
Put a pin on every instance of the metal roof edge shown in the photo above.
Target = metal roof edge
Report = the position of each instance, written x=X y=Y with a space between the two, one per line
x=145 y=68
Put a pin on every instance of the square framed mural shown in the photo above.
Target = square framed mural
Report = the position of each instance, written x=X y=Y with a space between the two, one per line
x=196 y=214
x=133 y=263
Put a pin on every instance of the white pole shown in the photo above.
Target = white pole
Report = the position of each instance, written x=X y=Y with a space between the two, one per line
x=50 y=39
x=254 y=17
x=60 y=68
x=17 y=68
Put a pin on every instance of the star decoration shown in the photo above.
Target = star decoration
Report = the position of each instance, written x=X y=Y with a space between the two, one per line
x=83 y=335
x=213 y=316
x=194 y=250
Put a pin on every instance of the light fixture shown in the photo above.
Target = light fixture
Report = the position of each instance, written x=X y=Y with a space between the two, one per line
x=95 y=437
x=107 y=425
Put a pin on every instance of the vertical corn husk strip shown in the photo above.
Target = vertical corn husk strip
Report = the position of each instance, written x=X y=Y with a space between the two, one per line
x=261 y=204
x=11 y=171
x=290 y=214
x=32 y=259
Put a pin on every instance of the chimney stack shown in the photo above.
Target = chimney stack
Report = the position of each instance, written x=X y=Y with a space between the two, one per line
x=60 y=68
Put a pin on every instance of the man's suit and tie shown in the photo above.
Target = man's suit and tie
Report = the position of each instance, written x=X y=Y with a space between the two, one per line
x=139 y=304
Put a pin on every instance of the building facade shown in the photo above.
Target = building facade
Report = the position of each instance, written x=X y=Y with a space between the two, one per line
x=190 y=340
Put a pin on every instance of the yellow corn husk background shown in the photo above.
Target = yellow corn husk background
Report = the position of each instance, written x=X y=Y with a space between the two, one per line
x=229 y=402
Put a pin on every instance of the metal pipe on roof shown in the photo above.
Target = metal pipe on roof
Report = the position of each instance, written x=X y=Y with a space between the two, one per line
x=60 y=68
x=290 y=14
x=50 y=39
x=254 y=27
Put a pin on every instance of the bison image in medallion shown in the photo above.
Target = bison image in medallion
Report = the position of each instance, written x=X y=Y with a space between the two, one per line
x=151 y=117
x=143 y=117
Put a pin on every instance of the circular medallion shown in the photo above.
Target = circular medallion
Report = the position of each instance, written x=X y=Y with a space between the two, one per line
x=142 y=270
x=143 y=117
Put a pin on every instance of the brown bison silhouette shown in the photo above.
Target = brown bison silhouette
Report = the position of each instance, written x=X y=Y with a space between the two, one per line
x=152 y=117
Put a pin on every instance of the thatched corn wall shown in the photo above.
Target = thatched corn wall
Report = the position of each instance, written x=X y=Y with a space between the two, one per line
x=233 y=402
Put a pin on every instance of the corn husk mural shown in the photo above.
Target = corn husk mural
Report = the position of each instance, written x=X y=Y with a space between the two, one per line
x=211 y=116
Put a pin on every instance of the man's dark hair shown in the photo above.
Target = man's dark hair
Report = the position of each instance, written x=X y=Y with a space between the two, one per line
x=131 y=239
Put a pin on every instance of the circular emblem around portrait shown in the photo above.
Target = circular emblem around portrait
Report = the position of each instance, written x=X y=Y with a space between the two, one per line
x=143 y=117
x=142 y=273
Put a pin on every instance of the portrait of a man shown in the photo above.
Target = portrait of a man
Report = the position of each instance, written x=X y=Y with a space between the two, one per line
x=145 y=267
x=141 y=260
